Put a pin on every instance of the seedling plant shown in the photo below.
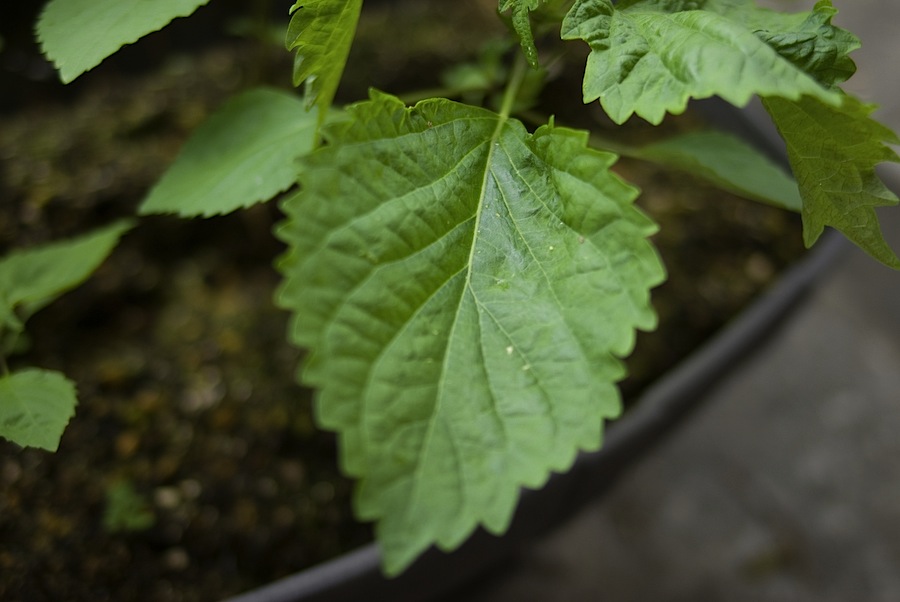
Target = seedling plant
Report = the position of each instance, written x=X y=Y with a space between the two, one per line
x=466 y=286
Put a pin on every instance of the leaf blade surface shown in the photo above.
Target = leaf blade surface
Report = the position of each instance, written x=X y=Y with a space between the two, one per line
x=78 y=34
x=31 y=278
x=35 y=406
x=833 y=154
x=321 y=31
x=648 y=57
x=728 y=162
x=465 y=288
x=243 y=154
x=521 y=22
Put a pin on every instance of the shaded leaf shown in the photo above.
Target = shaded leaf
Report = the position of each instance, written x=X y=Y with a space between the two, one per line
x=35 y=407
x=833 y=153
x=245 y=153
x=465 y=288
x=31 y=278
x=728 y=162
x=78 y=34
x=321 y=31
x=648 y=57
x=126 y=510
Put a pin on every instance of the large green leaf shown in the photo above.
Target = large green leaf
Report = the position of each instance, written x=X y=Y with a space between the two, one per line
x=648 y=57
x=78 y=34
x=31 y=278
x=465 y=289
x=35 y=406
x=726 y=161
x=833 y=153
x=321 y=31
x=245 y=153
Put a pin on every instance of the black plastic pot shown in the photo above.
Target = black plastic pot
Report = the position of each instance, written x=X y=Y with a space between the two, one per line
x=357 y=576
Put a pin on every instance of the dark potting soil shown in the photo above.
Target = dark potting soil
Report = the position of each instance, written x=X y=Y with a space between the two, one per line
x=192 y=469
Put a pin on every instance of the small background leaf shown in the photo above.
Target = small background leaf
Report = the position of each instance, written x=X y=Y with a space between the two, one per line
x=728 y=162
x=31 y=278
x=466 y=289
x=126 y=510
x=833 y=153
x=78 y=34
x=35 y=406
x=245 y=153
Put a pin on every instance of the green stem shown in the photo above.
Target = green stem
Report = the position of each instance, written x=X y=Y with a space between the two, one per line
x=513 y=85
x=510 y=93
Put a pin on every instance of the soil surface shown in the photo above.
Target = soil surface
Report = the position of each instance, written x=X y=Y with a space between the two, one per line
x=193 y=469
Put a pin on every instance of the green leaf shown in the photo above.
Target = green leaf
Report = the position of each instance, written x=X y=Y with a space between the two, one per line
x=35 y=406
x=465 y=288
x=522 y=24
x=648 y=57
x=31 y=278
x=245 y=153
x=126 y=510
x=321 y=31
x=833 y=153
x=78 y=34
x=807 y=39
x=726 y=161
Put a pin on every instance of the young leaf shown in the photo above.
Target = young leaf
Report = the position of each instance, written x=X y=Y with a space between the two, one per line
x=78 y=34
x=243 y=154
x=650 y=56
x=35 y=406
x=522 y=24
x=833 y=153
x=321 y=31
x=726 y=161
x=31 y=278
x=465 y=289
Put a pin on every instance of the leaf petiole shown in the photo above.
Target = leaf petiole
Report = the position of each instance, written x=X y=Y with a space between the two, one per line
x=514 y=85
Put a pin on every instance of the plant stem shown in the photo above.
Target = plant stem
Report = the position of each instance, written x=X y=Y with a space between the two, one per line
x=514 y=85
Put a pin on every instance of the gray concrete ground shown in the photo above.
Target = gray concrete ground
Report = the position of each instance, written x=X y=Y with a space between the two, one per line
x=786 y=485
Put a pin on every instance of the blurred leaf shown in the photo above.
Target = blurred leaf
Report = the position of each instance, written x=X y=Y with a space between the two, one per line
x=78 y=34
x=35 y=406
x=245 y=153
x=31 y=278
x=126 y=510
x=728 y=162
